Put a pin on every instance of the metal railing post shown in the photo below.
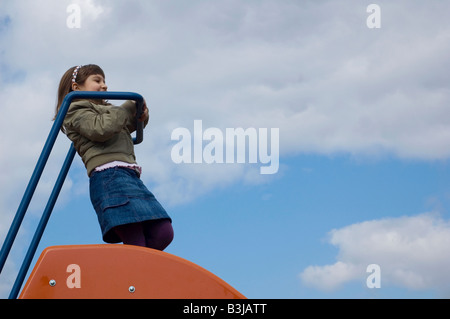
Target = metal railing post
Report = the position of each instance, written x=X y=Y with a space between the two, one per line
x=42 y=223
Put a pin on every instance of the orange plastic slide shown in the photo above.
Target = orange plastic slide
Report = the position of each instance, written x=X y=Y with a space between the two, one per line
x=120 y=272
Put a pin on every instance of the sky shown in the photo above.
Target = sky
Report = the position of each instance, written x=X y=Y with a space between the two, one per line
x=358 y=92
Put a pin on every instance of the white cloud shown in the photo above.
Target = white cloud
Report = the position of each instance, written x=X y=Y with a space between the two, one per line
x=412 y=252
x=312 y=69
x=329 y=277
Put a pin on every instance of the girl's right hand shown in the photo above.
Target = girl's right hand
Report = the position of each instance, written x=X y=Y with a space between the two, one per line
x=144 y=116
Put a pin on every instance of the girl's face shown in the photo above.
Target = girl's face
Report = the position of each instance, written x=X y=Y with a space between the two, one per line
x=94 y=82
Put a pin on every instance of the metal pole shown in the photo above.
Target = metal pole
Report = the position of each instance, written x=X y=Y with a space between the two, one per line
x=13 y=230
x=43 y=223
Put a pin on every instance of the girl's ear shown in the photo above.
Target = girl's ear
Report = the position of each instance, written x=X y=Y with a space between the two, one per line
x=75 y=87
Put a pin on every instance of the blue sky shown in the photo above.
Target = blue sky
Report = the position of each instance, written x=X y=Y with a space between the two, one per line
x=260 y=238
x=363 y=135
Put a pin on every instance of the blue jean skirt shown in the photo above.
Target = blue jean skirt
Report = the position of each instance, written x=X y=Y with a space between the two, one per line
x=119 y=197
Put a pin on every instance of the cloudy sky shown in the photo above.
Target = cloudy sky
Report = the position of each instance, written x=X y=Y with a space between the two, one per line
x=364 y=128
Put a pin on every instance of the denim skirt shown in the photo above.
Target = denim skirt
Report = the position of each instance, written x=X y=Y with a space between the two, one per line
x=119 y=197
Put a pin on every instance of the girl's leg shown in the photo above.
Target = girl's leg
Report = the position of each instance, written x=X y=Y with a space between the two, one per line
x=158 y=233
x=131 y=234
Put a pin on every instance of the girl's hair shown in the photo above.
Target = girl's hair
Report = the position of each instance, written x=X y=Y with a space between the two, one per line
x=65 y=85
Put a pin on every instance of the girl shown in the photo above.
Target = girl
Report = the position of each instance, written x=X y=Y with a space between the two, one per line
x=101 y=133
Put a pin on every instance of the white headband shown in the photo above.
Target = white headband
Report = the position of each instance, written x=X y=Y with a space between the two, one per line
x=75 y=73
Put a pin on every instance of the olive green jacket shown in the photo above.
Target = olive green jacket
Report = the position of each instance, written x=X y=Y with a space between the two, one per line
x=101 y=133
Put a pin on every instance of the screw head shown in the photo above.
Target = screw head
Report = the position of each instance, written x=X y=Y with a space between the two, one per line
x=52 y=283
x=131 y=289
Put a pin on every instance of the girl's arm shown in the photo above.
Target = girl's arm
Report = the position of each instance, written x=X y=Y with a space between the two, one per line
x=98 y=126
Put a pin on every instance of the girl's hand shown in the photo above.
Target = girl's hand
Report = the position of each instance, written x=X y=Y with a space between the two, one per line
x=144 y=116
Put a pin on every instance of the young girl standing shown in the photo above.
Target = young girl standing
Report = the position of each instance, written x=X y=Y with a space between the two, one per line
x=101 y=133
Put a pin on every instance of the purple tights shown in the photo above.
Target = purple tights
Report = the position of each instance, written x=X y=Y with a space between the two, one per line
x=156 y=234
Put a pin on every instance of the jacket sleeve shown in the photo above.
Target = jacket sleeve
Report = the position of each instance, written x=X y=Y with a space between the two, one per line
x=94 y=125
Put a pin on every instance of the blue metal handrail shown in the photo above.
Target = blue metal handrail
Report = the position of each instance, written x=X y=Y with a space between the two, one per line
x=21 y=211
